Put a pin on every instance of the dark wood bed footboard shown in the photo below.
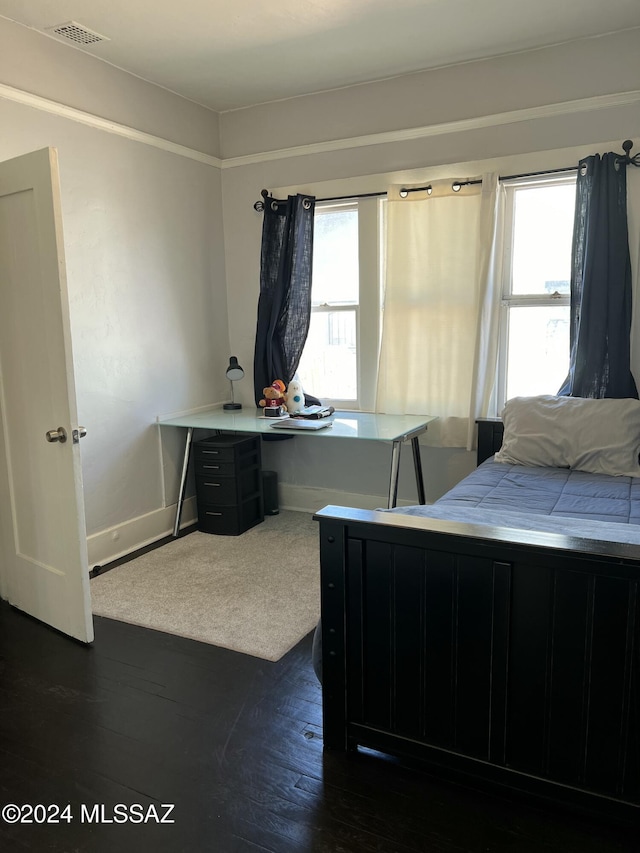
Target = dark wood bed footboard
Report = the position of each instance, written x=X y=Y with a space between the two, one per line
x=490 y=434
x=507 y=656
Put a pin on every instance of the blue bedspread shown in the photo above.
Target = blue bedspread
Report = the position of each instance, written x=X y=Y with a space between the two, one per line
x=556 y=500
x=557 y=492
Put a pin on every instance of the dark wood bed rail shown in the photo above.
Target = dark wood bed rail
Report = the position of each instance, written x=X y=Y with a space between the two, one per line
x=508 y=657
x=490 y=433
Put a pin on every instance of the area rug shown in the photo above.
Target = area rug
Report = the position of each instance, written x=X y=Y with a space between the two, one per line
x=258 y=593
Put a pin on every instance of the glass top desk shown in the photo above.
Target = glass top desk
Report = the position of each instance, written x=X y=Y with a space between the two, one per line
x=359 y=425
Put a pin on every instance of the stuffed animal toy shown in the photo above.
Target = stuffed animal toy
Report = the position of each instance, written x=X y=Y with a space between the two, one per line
x=294 y=397
x=274 y=397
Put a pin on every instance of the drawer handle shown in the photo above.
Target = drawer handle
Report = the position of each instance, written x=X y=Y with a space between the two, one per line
x=212 y=467
x=210 y=452
x=213 y=484
x=212 y=513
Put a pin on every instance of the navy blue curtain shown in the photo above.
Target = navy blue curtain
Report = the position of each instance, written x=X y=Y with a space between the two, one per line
x=600 y=284
x=284 y=306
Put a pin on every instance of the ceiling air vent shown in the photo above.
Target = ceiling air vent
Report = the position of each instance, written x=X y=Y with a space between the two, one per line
x=77 y=33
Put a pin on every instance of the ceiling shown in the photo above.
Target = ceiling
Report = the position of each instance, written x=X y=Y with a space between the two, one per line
x=227 y=54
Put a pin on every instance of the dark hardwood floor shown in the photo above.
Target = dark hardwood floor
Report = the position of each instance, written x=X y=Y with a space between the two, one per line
x=235 y=743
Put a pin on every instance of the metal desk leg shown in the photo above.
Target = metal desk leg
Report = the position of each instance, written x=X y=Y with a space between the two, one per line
x=183 y=480
x=395 y=469
x=415 y=445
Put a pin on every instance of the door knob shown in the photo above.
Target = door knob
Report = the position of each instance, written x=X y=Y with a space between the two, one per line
x=59 y=434
x=79 y=433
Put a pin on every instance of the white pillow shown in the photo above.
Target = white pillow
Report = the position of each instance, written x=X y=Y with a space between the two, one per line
x=601 y=436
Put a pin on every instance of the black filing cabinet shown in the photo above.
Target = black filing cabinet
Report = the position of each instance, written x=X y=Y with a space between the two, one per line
x=228 y=474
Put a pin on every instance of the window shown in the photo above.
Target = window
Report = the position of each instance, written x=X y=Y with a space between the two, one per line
x=340 y=357
x=340 y=360
x=534 y=353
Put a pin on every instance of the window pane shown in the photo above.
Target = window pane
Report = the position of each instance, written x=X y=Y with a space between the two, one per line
x=538 y=357
x=335 y=257
x=542 y=239
x=328 y=367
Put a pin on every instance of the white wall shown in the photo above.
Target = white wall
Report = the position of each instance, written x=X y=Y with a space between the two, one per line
x=36 y=64
x=145 y=198
x=515 y=125
x=536 y=78
x=146 y=275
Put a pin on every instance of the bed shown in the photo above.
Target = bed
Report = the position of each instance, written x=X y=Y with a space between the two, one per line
x=494 y=634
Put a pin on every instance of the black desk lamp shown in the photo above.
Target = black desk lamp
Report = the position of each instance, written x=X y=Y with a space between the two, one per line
x=234 y=372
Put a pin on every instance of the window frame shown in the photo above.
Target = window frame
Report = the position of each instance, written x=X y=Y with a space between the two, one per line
x=508 y=299
x=369 y=305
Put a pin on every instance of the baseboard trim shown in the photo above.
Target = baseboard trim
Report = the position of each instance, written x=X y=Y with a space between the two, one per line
x=130 y=536
x=126 y=538
x=309 y=499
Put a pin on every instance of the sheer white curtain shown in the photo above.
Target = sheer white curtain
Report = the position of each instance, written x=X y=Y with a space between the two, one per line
x=491 y=253
x=441 y=306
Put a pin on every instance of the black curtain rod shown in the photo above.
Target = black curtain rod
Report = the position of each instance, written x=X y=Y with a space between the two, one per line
x=259 y=205
x=625 y=159
x=347 y=197
x=456 y=185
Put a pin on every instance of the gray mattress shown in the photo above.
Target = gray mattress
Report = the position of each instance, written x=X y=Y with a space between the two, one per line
x=557 y=492
x=557 y=500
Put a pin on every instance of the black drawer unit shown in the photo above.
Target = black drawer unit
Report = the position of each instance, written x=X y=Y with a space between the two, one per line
x=228 y=471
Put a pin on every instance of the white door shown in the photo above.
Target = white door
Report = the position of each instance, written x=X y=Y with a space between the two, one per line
x=43 y=548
